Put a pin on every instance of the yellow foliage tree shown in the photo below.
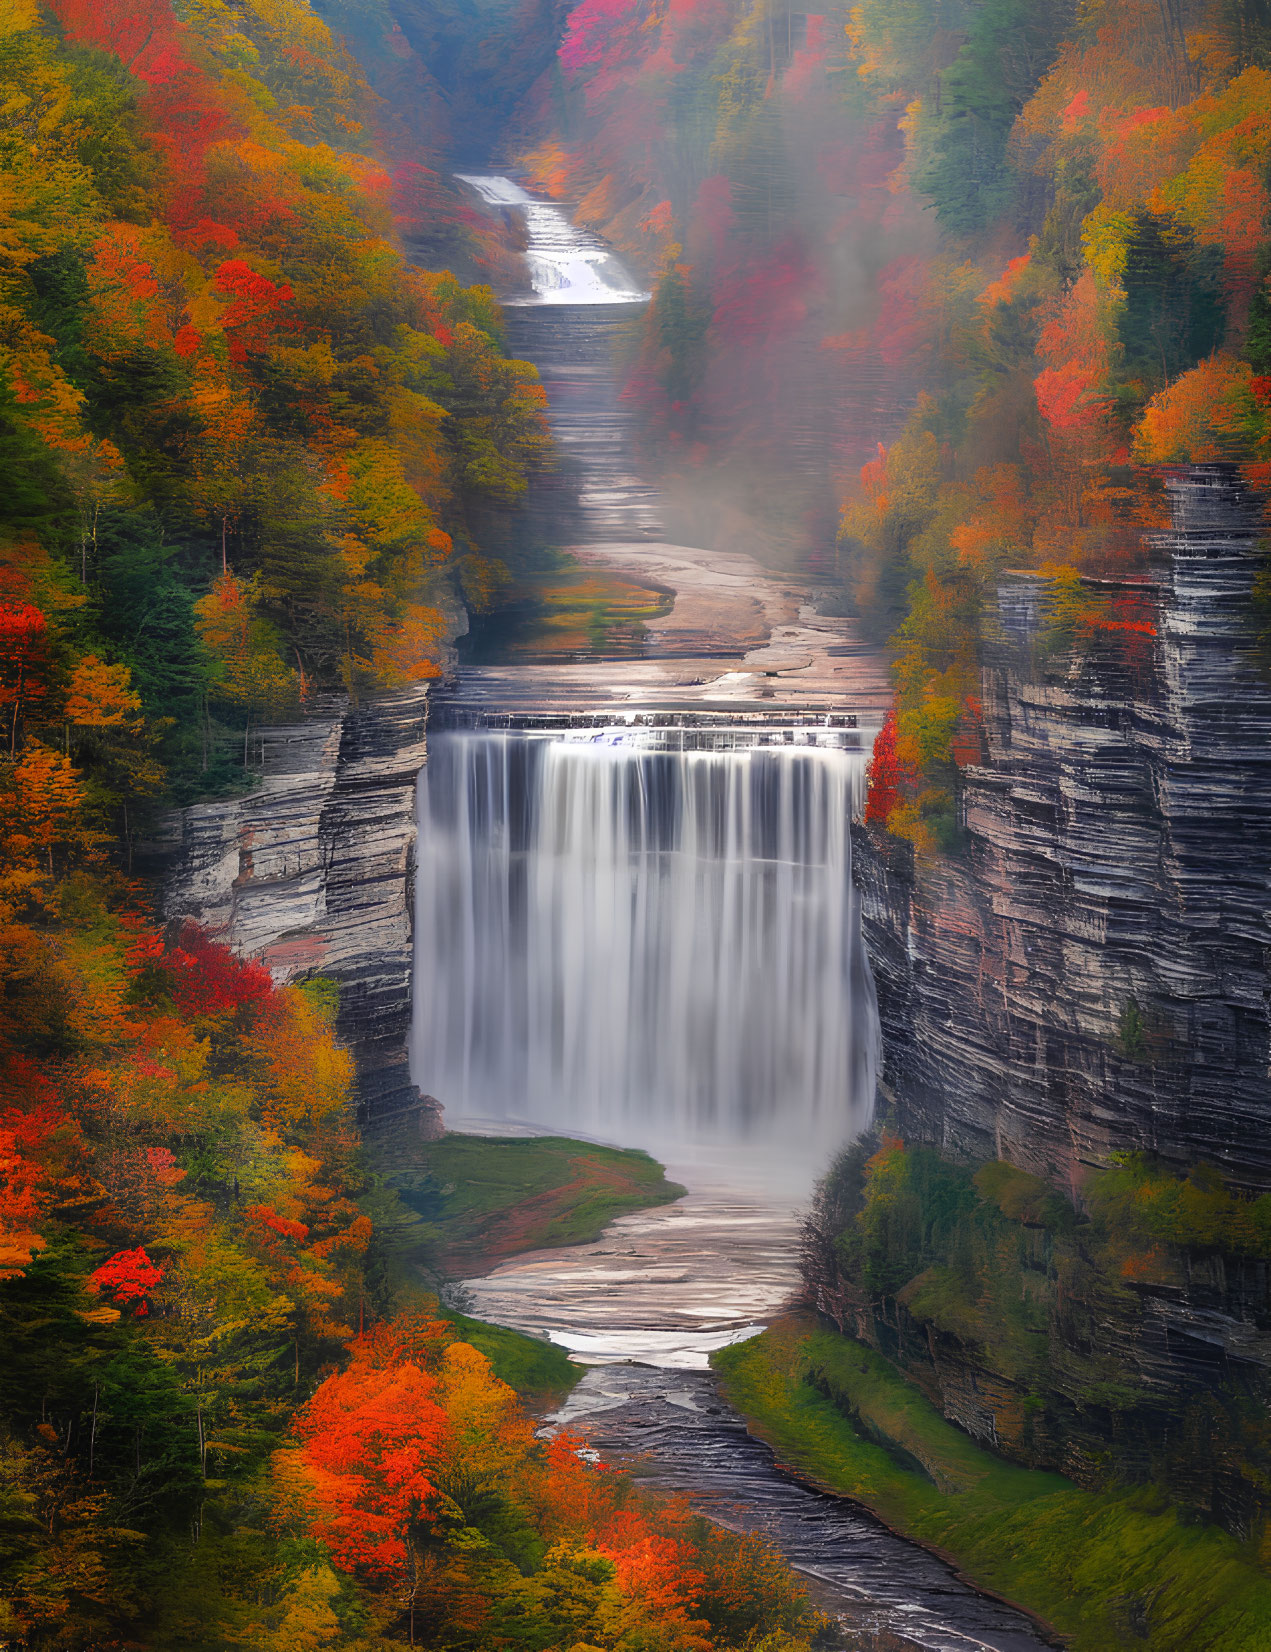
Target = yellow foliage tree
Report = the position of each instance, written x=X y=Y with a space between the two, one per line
x=245 y=647
x=101 y=695
x=42 y=808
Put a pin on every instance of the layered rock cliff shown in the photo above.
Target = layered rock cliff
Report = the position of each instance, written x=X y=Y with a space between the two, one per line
x=1090 y=975
x=312 y=873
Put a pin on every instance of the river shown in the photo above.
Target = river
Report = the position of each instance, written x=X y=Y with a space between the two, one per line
x=636 y=921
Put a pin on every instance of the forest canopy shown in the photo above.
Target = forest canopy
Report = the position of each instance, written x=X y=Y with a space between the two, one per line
x=248 y=436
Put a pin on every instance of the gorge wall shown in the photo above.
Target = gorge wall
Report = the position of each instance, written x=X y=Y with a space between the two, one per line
x=1086 y=978
x=1090 y=975
x=312 y=874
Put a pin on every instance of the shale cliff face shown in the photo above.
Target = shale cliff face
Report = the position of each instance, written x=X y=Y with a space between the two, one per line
x=1091 y=975
x=312 y=874
x=1088 y=976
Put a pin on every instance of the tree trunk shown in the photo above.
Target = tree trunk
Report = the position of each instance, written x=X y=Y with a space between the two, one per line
x=139 y=50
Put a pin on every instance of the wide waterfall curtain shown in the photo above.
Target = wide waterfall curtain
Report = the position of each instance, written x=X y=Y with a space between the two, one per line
x=643 y=944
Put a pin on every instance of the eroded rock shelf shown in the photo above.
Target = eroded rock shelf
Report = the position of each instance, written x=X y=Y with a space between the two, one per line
x=311 y=873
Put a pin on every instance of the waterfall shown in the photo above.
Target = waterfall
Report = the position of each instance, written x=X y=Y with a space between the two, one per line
x=566 y=264
x=647 y=936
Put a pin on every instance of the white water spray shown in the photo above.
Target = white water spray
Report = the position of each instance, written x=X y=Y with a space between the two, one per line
x=651 y=945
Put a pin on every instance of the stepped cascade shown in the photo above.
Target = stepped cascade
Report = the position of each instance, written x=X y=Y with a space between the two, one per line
x=566 y=265
x=645 y=933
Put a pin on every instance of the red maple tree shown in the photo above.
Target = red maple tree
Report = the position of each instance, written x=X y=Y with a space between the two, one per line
x=208 y=979
x=883 y=775
x=129 y=1276
x=23 y=638
x=370 y=1436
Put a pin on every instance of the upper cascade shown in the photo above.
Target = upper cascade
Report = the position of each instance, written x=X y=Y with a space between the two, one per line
x=567 y=265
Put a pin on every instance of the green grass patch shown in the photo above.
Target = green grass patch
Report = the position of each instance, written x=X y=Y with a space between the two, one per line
x=1110 y=1570
x=539 y=1371
x=486 y=1198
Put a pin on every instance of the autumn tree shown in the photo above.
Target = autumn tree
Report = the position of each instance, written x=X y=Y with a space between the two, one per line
x=251 y=675
x=23 y=662
x=42 y=808
x=128 y=1279
x=882 y=775
x=370 y=1439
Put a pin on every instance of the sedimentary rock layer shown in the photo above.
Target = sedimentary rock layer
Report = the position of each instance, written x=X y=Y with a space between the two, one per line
x=312 y=874
x=1090 y=975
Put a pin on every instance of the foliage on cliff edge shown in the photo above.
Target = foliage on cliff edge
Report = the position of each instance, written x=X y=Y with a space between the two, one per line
x=1100 y=179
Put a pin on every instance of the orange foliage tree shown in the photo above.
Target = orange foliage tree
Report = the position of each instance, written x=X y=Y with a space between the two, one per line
x=370 y=1438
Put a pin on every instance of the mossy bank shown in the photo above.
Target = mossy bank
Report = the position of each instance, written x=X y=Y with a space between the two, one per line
x=454 y=1208
x=482 y=1199
x=1108 y=1570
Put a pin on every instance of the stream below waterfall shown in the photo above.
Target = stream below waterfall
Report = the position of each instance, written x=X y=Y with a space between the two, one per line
x=643 y=1308
x=635 y=921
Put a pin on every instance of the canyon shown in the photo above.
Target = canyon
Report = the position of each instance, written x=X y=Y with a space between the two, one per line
x=1040 y=992
x=635 y=856
x=721 y=758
